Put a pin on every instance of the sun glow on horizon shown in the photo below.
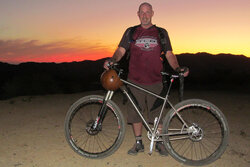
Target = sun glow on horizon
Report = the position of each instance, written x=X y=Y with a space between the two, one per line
x=31 y=51
x=55 y=31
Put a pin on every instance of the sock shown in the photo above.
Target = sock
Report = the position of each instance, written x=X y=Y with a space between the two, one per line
x=138 y=139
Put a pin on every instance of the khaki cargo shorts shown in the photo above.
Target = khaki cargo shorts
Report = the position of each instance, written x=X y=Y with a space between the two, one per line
x=145 y=102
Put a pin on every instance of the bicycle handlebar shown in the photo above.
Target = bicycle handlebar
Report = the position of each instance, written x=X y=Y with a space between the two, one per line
x=115 y=66
x=180 y=75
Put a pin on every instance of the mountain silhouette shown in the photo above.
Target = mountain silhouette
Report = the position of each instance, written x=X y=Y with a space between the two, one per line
x=218 y=72
x=222 y=71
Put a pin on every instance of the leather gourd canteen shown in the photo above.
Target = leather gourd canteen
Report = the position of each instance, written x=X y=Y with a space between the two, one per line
x=110 y=80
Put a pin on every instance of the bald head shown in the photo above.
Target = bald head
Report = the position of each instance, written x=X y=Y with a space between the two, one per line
x=145 y=4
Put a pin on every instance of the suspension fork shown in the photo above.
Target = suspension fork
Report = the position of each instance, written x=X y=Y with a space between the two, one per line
x=103 y=110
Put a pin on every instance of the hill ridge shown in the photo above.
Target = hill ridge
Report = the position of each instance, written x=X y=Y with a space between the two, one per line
x=207 y=71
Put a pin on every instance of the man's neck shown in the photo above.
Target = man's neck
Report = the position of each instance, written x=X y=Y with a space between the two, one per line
x=146 y=26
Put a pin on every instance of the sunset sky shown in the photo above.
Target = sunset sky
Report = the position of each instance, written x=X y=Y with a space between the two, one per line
x=76 y=30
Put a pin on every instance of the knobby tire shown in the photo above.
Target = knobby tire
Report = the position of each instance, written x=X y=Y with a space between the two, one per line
x=98 y=144
x=207 y=145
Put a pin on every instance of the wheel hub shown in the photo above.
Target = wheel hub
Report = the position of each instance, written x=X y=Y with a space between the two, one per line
x=195 y=133
x=89 y=128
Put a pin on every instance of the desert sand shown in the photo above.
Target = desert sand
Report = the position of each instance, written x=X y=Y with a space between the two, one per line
x=32 y=133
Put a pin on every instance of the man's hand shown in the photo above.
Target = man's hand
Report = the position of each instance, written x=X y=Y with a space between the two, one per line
x=119 y=53
x=183 y=70
x=107 y=64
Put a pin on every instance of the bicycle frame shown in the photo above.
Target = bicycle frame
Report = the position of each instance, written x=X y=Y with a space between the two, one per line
x=165 y=99
x=183 y=128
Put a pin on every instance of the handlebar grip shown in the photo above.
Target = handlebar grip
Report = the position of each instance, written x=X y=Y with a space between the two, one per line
x=111 y=64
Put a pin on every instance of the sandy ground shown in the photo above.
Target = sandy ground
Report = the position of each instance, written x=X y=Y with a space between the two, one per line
x=32 y=133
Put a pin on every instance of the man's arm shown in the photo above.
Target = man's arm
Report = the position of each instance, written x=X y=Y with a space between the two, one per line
x=119 y=53
x=172 y=60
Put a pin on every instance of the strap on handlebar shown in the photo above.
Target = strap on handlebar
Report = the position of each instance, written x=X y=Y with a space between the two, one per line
x=181 y=87
x=180 y=75
x=181 y=71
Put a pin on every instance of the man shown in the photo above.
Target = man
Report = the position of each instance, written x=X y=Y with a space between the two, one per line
x=144 y=70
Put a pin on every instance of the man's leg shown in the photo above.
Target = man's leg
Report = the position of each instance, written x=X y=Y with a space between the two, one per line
x=138 y=146
x=159 y=147
x=137 y=128
x=135 y=120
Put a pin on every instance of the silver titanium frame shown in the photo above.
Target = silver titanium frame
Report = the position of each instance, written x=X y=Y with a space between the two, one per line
x=165 y=100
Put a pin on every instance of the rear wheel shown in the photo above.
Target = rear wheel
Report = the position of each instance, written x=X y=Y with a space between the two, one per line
x=91 y=142
x=204 y=140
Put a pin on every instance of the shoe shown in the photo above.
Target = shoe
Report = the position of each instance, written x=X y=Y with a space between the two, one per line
x=159 y=147
x=138 y=147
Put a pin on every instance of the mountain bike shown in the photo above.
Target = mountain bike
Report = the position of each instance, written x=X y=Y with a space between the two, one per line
x=194 y=132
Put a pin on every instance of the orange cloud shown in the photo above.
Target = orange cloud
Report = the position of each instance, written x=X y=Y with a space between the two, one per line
x=17 y=51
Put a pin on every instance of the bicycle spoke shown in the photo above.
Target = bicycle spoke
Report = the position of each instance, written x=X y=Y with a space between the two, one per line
x=100 y=143
x=204 y=134
x=93 y=141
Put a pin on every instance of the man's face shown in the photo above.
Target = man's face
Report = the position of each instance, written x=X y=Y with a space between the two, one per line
x=145 y=14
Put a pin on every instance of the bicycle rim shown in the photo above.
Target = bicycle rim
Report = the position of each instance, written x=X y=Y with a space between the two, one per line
x=97 y=144
x=208 y=138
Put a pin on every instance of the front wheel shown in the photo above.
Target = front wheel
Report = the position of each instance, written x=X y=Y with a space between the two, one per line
x=99 y=142
x=203 y=139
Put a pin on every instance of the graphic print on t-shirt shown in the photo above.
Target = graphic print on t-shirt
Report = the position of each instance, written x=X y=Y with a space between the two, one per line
x=146 y=43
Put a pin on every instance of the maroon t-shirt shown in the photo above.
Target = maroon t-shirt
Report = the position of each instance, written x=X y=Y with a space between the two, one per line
x=145 y=64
